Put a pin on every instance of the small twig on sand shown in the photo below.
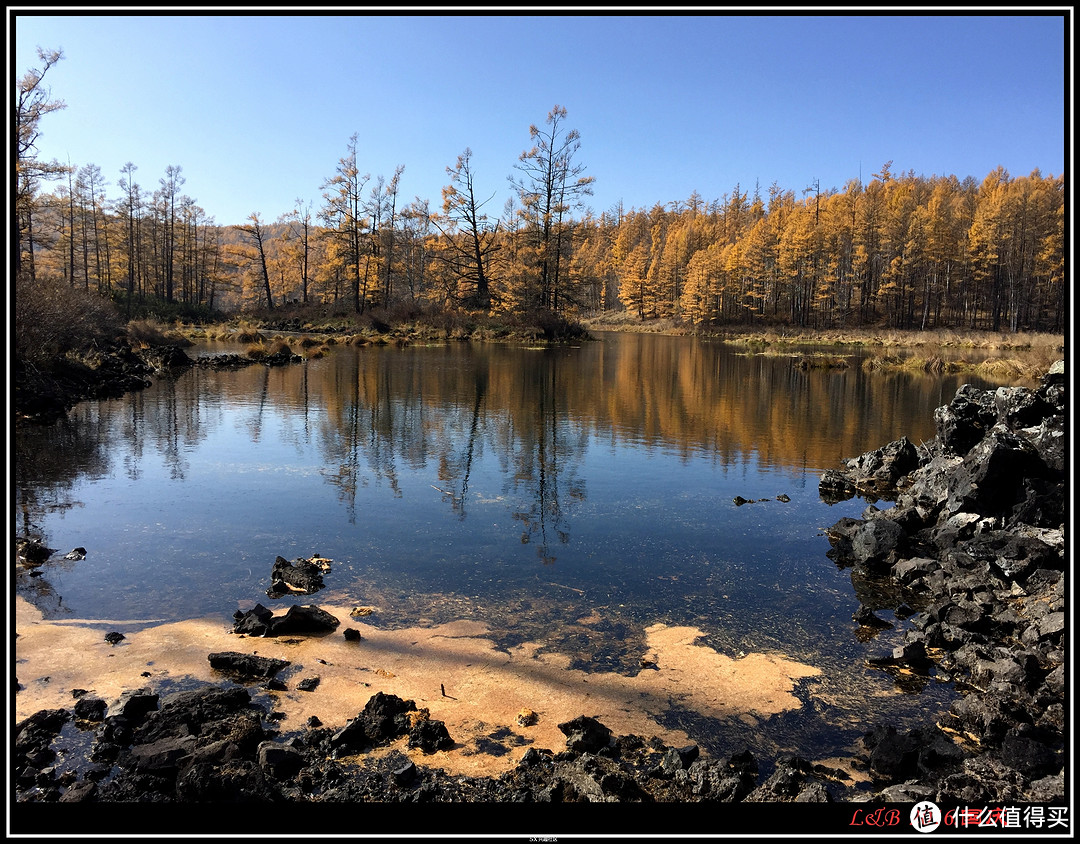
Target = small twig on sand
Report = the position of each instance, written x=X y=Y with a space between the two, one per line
x=571 y=588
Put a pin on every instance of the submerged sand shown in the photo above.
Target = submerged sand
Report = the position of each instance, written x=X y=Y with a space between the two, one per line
x=453 y=670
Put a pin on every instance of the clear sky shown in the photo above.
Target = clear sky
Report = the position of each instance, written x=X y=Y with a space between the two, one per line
x=257 y=109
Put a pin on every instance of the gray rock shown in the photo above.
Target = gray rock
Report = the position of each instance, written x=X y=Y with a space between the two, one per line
x=585 y=735
x=90 y=709
x=302 y=620
x=279 y=760
x=430 y=736
x=246 y=665
x=878 y=541
x=133 y=704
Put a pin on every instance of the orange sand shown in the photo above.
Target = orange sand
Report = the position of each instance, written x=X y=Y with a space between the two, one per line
x=485 y=688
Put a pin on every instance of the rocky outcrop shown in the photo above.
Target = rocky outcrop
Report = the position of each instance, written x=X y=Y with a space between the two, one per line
x=302 y=576
x=976 y=541
x=246 y=666
x=307 y=620
x=47 y=392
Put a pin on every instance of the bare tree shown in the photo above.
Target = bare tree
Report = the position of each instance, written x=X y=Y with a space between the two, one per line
x=33 y=101
x=470 y=237
x=343 y=215
x=130 y=210
x=170 y=186
x=300 y=233
x=255 y=232
x=550 y=185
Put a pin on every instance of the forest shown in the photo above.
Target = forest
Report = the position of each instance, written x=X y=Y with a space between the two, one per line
x=901 y=250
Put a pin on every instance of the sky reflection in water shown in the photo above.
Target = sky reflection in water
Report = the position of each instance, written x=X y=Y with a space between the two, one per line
x=522 y=488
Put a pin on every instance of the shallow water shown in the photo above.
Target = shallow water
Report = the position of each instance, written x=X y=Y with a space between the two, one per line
x=571 y=497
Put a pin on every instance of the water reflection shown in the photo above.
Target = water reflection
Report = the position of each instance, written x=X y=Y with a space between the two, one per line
x=367 y=418
x=570 y=496
x=46 y=465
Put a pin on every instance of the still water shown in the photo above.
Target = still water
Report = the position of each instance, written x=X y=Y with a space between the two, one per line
x=526 y=488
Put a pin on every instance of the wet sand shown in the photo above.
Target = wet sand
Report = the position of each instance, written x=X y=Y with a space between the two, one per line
x=452 y=670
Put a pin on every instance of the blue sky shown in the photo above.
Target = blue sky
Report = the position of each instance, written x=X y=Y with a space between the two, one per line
x=258 y=109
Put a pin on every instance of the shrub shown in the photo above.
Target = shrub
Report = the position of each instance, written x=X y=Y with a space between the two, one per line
x=53 y=318
x=555 y=326
x=145 y=332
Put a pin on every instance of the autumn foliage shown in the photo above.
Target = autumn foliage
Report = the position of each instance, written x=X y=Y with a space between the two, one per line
x=899 y=251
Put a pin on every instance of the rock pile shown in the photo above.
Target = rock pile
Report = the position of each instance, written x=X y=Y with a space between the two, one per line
x=975 y=541
x=211 y=744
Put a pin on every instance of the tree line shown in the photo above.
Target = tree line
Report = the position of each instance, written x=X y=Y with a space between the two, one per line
x=900 y=250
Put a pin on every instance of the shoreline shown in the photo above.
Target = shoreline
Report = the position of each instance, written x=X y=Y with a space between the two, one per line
x=451 y=669
x=45 y=394
x=986 y=551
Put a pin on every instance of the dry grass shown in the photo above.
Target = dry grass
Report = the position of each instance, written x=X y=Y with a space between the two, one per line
x=1010 y=368
x=1024 y=356
x=263 y=350
x=246 y=332
x=316 y=353
x=144 y=333
x=822 y=361
x=995 y=368
x=625 y=321
x=932 y=364
x=1053 y=345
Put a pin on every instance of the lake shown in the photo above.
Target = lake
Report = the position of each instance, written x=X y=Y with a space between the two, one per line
x=569 y=497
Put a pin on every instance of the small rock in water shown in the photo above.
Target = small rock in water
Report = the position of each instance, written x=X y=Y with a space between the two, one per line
x=33 y=552
x=865 y=617
x=300 y=576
